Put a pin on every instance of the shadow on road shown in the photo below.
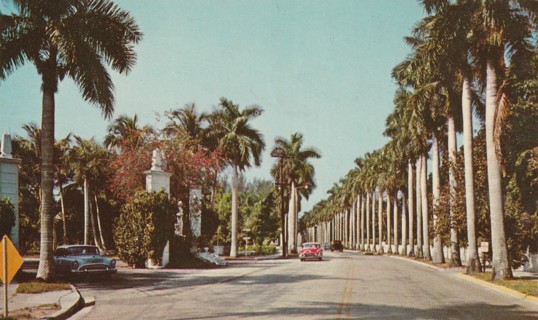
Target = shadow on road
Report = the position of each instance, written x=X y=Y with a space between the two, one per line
x=363 y=311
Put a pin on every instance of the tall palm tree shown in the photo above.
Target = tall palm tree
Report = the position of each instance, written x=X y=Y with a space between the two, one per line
x=88 y=161
x=501 y=29
x=63 y=175
x=71 y=38
x=298 y=172
x=239 y=143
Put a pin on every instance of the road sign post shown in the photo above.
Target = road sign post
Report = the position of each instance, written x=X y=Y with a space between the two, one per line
x=4 y=273
x=10 y=263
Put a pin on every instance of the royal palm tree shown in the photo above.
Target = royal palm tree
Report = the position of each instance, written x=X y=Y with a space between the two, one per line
x=125 y=132
x=298 y=173
x=189 y=123
x=88 y=161
x=448 y=28
x=239 y=143
x=501 y=29
x=73 y=38
x=63 y=174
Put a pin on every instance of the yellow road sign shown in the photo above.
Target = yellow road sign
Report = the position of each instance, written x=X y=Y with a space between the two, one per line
x=14 y=260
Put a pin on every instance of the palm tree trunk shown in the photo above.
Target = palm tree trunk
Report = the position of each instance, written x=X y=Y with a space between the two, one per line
x=64 y=224
x=99 y=229
x=473 y=262
x=380 y=220
x=373 y=223
x=235 y=190
x=352 y=224
x=455 y=260
x=292 y=238
x=86 y=214
x=500 y=263
x=410 y=208
x=419 y=207
x=362 y=222
x=47 y=182
x=438 y=256
x=404 y=226
x=425 y=216
x=367 y=222
x=355 y=236
x=389 y=240
x=395 y=214
x=357 y=223
x=94 y=231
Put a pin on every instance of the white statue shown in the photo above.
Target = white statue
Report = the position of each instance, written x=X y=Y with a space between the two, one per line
x=156 y=160
x=179 y=220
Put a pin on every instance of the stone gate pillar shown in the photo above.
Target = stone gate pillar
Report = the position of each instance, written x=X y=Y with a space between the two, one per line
x=195 y=212
x=9 y=182
x=156 y=180
x=156 y=177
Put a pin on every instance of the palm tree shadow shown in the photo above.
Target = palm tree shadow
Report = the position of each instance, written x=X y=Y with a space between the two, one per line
x=330 y=310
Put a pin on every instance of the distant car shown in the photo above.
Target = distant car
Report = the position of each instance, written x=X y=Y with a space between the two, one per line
x=311 y=250
x=327 y=246
x=82 y=259
x=337 y=245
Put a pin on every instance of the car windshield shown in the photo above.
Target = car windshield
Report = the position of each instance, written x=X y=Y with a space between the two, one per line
x=311 y=245
x=76 y=251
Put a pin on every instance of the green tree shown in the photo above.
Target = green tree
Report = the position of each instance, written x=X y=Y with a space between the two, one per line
x=240 y=144
x=125 y=132
x=144 y=226
x=89 y=163
x=7 y=217
x=66 y=38
x=298 y=172
x=501 y=29
x=188 y=123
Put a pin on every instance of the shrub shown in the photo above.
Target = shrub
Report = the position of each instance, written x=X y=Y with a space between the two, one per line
x=7 y=217
x=268 y=249
x=144 y=226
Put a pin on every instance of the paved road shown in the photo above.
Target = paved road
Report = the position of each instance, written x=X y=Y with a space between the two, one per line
x=343 y=286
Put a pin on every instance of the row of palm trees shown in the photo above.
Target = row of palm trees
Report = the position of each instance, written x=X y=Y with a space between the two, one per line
x=464 y=53
x=78 y=39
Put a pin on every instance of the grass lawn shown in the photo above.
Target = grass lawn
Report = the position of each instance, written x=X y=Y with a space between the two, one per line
x=39 y=287
x=526 y=286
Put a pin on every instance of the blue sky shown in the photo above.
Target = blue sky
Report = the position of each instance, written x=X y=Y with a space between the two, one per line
x=321 y=68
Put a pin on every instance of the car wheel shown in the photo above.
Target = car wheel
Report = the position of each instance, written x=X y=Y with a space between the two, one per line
x=302 y=260
x=319 y=258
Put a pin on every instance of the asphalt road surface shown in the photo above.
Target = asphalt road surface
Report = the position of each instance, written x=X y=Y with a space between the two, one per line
x=343 y=286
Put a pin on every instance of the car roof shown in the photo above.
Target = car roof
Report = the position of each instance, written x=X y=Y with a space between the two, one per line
x=311 y=243
x=67 y=246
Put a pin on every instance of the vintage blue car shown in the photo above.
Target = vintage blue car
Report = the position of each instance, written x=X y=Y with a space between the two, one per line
x=82 y=259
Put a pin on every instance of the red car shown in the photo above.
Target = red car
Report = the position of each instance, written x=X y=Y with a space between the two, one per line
x=311 y=250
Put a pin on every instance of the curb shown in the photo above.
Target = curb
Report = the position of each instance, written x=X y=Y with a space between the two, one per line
x=498 y=288
x=70 y=308
x=417 y=262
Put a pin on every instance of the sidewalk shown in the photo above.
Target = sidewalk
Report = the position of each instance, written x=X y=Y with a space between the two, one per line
x=47 y=305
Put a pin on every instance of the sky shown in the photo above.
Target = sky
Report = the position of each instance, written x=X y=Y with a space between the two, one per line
x=321 y=68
